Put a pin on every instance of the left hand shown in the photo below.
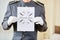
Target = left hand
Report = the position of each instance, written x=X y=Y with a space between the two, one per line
x=38 y=20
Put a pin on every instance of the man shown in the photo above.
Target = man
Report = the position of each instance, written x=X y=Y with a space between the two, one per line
x=10 y=18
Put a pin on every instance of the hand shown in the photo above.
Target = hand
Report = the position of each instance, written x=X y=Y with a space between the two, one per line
x=12 y=19
x=38 y=20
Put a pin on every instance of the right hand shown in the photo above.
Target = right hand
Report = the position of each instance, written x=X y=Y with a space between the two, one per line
x=12 y=19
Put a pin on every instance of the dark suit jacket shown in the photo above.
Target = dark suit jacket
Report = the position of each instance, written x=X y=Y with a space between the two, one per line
x=12 y=11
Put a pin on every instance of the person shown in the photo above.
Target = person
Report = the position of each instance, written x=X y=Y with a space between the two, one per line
x=10 y=19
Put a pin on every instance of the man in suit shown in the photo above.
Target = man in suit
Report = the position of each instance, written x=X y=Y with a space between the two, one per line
x=10 y=18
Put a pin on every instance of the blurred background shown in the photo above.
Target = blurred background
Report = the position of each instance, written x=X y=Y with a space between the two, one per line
x=52 y=12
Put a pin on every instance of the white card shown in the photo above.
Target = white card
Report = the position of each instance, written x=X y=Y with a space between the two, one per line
x=25 y=17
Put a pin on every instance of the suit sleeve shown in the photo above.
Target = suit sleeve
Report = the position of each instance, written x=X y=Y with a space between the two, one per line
x=43 y=27
x=7 y=15
x=43 y=16
x=44 y=20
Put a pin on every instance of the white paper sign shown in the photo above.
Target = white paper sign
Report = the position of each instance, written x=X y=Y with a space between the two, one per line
x=25 y=17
